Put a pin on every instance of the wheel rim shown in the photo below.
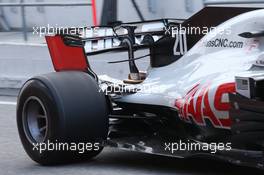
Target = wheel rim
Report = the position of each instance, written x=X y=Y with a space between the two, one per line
x=35 y=120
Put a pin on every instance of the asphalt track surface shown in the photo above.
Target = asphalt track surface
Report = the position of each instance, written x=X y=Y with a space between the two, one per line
x=14 y=161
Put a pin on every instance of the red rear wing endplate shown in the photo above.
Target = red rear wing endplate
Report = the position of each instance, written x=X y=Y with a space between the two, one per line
x=66 y=57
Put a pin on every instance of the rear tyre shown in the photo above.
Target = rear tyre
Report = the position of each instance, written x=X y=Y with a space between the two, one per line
x=66 y=114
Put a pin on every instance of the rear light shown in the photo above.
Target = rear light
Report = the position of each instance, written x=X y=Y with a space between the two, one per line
x=66 y=57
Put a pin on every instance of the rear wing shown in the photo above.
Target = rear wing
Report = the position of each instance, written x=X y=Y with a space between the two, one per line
x=69 y=48
x=101 y=39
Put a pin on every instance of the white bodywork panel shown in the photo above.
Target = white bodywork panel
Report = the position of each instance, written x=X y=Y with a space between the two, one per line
x=206 y=67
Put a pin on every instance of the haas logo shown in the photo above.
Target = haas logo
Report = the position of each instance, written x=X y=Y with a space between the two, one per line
x=197 y=106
